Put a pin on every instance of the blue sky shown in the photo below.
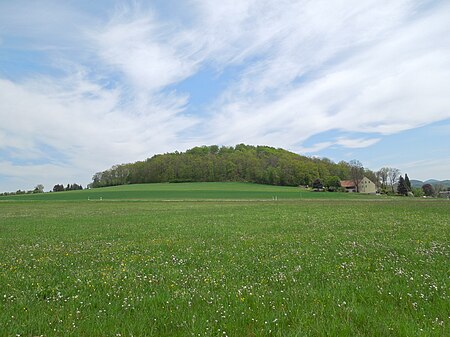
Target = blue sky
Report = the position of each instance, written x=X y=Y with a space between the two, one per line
x=85 y=85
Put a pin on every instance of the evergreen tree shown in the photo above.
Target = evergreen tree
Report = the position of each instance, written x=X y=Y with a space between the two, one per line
x=408 y=183
x=401 y=187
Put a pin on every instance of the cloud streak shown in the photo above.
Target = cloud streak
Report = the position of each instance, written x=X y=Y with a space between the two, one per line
x=107 y=89
x=396 y=82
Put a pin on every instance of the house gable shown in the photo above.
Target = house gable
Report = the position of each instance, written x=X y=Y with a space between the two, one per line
x=365 y=186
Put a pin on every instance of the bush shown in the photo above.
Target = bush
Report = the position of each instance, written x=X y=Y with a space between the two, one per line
x=418 y=192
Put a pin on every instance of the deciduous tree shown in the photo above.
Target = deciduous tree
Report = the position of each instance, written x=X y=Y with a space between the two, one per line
x=393 y=174
x=356 y=172
x=39 y=189
x=58 y=188
x=382 y=175
x=428 y=190
x=258 y=164
x=333 y=183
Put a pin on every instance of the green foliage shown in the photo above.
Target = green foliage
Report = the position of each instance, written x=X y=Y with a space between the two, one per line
x=333 y=183
x=58 y=188
x=244 y=163
x=418 y=192
x=287 y=268
x=69 y=187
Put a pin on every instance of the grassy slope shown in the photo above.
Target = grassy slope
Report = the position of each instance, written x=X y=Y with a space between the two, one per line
x=187 y=191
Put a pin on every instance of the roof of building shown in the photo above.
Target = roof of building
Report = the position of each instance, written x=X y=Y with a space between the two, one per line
x=347 y=183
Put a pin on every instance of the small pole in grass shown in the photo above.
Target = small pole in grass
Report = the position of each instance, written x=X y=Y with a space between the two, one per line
x=101 y=198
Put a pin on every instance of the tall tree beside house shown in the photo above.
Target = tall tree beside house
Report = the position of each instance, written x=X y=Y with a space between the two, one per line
x=402 y=189
x=393 y=174
x=356 y=172
x=382 y=175
x=408 y=183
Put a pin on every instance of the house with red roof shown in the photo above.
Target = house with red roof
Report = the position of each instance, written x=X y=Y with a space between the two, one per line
x=365 y=186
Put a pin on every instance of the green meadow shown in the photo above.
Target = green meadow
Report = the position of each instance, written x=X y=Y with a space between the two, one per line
x=188 y=191
x=222 y=260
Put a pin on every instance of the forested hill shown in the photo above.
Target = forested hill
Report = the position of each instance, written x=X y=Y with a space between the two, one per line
x=258 y=164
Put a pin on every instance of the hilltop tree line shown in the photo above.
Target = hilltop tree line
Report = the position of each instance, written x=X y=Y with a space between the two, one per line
x=40 y=189
x=69 y=187
x=257 y=164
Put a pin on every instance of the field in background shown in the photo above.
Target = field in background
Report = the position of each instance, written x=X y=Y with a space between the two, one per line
x=348 y=267
x=189 y=191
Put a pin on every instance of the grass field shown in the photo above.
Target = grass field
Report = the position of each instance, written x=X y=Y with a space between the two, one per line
x=188 y=191
x=348 y=266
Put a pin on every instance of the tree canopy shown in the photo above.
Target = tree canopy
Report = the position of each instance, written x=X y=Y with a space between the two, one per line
x=428 y=190
x=258 y=164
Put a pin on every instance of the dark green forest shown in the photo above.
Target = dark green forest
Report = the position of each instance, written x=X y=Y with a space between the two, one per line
x=257 y=164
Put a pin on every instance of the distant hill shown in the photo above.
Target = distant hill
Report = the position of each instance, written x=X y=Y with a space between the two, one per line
x=241 y=163
x=416 y=183
x=419 y=183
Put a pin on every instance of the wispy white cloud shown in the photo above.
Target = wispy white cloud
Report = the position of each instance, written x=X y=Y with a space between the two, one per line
x=315 y=148
x=149 y=57
x=364 y=79
x=304 y=68
x=357 y=143
x=82 y=125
